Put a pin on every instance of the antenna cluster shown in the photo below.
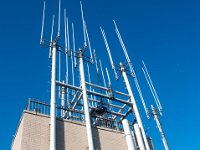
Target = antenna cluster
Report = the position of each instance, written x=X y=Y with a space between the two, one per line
x=94 y=103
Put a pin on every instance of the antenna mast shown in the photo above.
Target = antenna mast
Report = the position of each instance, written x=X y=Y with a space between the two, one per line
x=151 y=86
x=83 y=21
x=43 y=18
x=136 y=112
x=131 y=69
x=74 y=45
x=50 y=48
x=155 y=114
x=109 y=53
x=59 y=9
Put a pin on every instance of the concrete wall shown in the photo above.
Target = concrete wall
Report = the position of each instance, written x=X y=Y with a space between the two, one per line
x=33 y=134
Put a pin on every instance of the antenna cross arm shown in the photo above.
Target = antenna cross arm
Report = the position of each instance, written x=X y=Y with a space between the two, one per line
x=109 y=97
x=68 y=86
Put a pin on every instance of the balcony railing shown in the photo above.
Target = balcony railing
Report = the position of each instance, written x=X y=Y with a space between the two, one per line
x=74 y=115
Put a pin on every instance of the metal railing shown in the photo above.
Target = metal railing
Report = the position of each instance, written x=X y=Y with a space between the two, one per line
x=74 y=115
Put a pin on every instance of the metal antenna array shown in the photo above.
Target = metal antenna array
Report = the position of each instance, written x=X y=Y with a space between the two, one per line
x=109 y=53
x=156 y=115
x=158 y=104
x=43 y=19
x=151 y=86
x=83 y=100
x=53 y=44
x=142 y=145
x=131 y=69
x=83 y=22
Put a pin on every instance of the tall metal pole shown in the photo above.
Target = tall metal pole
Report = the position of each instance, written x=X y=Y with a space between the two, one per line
x=53 y=100
x=127 y=132
x=137 y=115
x=85 y=102
x=138 y=136
x=155 y=114
x=63 y=101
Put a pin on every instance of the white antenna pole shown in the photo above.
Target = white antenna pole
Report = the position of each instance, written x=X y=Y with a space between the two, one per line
x=127 y=132
x=95 y=98
x=139 y=136
x=89 y=79
x=141 y=97
x=68 y=36
x=104 y=81
x=63 y=100
x=53 y=100
x=74 y=45
x=124 y=49
x=59 y=56
x=131 y=69
x=109 y=82
x=155 y=114
x=83 y=21
x=136 y=112
x=89 y=45
x=96 y=64
x=153 y=89
x=85 y=101
x=109 y=53
x=72 y=70
x=43 y=18
x=50 y=49
x=72 y=63
x=109 y=85
x=59 y=72
x=65 y=23
x=66 y=46
x=150 y=87
x=59 y=9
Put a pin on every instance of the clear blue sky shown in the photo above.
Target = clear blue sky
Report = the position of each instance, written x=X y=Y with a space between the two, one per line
x=166 y=34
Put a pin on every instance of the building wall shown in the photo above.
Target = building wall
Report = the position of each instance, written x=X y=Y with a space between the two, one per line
x=16 y=145
x=34 y=134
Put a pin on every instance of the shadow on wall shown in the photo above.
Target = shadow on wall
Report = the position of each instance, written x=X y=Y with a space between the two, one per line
x=60 y=135
x=96 y=138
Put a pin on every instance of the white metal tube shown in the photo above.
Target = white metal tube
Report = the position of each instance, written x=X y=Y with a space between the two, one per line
x=150 y=87
x=102 y=73
x=160 y=128
x=72 y=63
x=83 y=21
x=85 y=101
x=74 y=45
x=59 y=9
x=155 y=93
x=51 y=39
x=43 y=18
x=68 y=46
x=131 y=68
x=137 y=115
x=128 y=135
x=96 y=63
x=63 y=100
x=89 y=45
x=109 y=82
x=139 y=137
x=53 y=100
x=109 y=53
x=89 y=79
x=141 y=96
